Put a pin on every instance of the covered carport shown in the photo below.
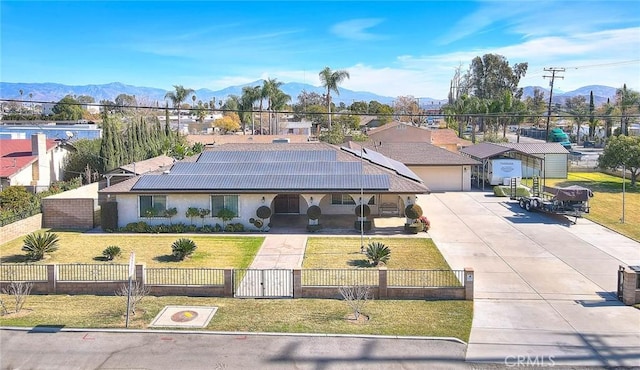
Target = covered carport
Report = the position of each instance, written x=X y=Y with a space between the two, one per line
x=485 y=152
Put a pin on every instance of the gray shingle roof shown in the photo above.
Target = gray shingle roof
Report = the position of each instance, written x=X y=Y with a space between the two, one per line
x=419 y=154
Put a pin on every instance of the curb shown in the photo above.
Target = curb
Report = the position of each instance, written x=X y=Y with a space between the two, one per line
x=54 y=329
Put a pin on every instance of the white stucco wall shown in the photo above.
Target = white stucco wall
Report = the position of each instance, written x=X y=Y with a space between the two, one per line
x=128 y=209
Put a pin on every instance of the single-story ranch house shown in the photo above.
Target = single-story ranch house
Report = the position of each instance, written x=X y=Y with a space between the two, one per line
x=287 y=178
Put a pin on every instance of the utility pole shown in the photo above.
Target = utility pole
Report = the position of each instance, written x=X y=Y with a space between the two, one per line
x=552 y=77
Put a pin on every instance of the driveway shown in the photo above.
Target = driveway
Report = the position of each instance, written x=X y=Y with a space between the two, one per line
x=544 y=289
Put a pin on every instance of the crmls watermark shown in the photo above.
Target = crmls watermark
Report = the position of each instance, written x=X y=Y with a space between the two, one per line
x=529 y=361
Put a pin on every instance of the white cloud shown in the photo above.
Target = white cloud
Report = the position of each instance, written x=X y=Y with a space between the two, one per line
x=357 y=29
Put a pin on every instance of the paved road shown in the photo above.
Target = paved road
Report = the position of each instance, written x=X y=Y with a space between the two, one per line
x=180 y=350
x=544 y=289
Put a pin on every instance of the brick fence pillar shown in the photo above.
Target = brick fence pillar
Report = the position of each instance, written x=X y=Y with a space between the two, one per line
x=469 y=279
x=297 y=283
x=382 y=282
x=228 y=283
x=52 y=278
x=141 y=276
x=629 y=286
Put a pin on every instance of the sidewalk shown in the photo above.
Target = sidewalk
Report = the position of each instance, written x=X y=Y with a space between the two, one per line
x=280 y=251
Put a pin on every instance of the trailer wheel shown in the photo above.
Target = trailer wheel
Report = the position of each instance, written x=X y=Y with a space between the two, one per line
x=535 y=203
x=527 y=205
x=521 y=203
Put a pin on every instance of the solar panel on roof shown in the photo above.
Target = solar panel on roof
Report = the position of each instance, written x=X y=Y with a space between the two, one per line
x=386 y=162
x=261 y=182
x=284 y=168
x=219 y=156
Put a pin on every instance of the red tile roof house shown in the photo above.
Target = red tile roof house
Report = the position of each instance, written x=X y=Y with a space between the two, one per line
x=286 y=177
x=34 y=163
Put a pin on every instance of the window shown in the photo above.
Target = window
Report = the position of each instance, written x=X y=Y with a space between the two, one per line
x=219 y=202
x=345 y=199
x=342 y=199
x=152 y=205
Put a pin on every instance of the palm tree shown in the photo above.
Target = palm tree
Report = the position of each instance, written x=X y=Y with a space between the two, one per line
x=249 y=97
x=626 y=99
x=279 y=101
x=271 y=88
x=331 y=79
x=177 y=98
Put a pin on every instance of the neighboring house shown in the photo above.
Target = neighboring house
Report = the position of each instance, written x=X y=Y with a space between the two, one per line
x=34 y=163
x=127 y=171
x=398 y=132
x=286 y=177
x=296 y=128
x=236 y=139
x=154 y=164
x=439 y=169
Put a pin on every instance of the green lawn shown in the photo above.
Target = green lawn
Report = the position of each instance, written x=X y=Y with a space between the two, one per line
x=419 y=318
x=406 y=253
x=152 y=249
x=387 y=317
x=606 y=204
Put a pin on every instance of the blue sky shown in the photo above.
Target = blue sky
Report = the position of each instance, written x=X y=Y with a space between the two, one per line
x=389 y=48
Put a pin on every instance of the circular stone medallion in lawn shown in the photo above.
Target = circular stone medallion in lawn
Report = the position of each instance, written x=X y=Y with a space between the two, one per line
x=184 y=317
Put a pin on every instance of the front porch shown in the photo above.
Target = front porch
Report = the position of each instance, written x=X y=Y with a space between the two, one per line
x=336 y=224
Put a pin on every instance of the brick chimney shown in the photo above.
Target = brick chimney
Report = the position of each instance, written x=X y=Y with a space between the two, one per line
x=41 y=168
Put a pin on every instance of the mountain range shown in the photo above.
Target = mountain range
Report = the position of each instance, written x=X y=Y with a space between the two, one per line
x=53 y=92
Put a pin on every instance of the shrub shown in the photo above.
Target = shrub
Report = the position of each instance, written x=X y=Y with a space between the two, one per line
x=207 y=229
x=366 y=211
x=183 y=248
x=238 y=227
x=170 y=213
x=226 y=215
x=314 y=212
x=38 y=244
x=192 y=212
x=217 y=228
x=413 y=211
x=378 y=252
x=263 y=212
x=425 y=222
x=229 y=228
x=111 y=252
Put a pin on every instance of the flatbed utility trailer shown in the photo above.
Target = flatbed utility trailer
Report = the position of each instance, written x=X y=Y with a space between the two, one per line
x=570 y=201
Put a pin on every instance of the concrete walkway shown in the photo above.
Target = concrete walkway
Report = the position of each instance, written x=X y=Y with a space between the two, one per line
x=544 y=289
x=280 y=251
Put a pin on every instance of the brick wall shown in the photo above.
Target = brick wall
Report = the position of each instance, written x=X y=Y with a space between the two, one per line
x=20 y=228
x=68 y=213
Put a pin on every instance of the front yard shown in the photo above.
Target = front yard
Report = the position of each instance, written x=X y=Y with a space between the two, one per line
x=151 y=249
x=386 y=317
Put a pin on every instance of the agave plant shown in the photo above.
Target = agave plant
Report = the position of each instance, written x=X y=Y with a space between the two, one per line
x=378 y=252
x=183 y=248
x=38 y=244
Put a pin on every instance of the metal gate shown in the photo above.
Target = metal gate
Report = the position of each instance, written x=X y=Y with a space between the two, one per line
x=263 y=283
x=620 y=281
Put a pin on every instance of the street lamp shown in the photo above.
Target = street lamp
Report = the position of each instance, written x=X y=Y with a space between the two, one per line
x=361 y=199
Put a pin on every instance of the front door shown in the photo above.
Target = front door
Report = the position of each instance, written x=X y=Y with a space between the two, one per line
x=287 y=203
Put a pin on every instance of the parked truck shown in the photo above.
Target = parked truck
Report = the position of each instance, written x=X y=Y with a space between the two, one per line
x=558 y=136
